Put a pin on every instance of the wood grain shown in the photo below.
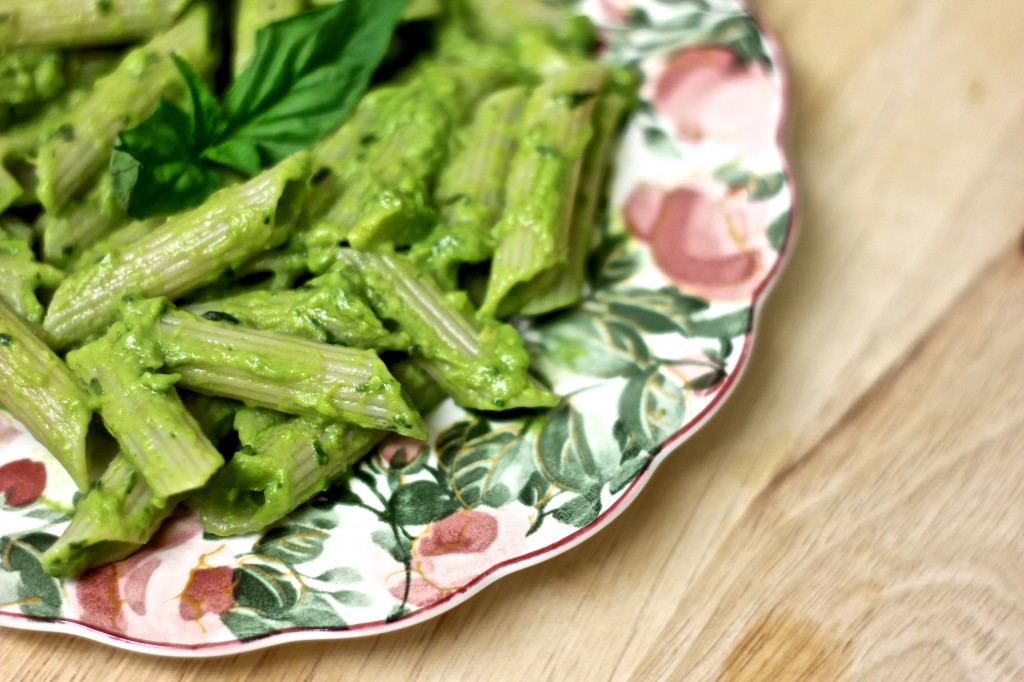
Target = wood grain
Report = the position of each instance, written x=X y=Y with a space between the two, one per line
x=900 y=535
x=851 y=511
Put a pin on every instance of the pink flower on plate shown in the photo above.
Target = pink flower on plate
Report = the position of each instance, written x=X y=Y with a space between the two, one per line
x=708 y=93
x=209 y=590
x=158 y=592
x=452 y=552
x=699 y=373
x=708 y=237
x=100 y=599
x=8 y=432
x=615 y=10
x=22 y=482
x=401 y=451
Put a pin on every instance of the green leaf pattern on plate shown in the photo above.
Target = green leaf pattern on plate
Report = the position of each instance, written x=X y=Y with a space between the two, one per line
x=416 y=527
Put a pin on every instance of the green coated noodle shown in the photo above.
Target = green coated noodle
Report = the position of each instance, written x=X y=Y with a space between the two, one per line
x=21 y=277
x=388 y=198
x=117 y=517
x=285 y=373
x=482 y=366
x=20 y=142
x=142 y=410
x=42 y=393
x=563 y=286
x=116 y=241
x=79 y=146
x=30 y=76
x=505 y=21
x=214 y=415
x=326 y=309
x=384 y=189
x=190 y=250
x=470 y=190
x=286 y=462
x=67 y=232
x=533 y=233
x=281 y=468
x=83 y=23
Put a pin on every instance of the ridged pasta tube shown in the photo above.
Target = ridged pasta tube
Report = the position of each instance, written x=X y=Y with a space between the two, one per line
x=42 y=393
x=284 y=466
x=563 y=286
x=482 y=366
x=326 y=309
x=21 y=276
x=188 y=251
x=81 y=223
x=285 y=373
x=115 y=518
x=142 y=410
x=81 y=143
x=533 y=233
x=471 y=188
x=83 y=23
x=285 y=463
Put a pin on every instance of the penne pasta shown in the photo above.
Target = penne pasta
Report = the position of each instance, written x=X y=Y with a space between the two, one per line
x=117 y=516
x=482 y=366
x=326 y=309
x=562 y=286
x=84 y=221
x=79 y=145
x=280 y=468
x=471 y=188
x=533 y=233
x=83 y=23
x=167 y=447
x=186 y=252
x=285 y=373
x=42 y=393
x=286 y=462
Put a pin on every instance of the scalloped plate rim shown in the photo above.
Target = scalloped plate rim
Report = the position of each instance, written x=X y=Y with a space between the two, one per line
x=68 y=626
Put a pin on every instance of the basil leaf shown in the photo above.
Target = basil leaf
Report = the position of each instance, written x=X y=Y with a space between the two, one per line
x=207 y=119
x=306 y=76
x=154 y=168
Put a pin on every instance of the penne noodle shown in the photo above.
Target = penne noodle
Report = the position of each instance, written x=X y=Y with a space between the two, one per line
x=42 y=393
x=533 y=233
x=461 y=354
x=167 y=447
x=79 y=145
x=285 y=373
x=326 y=309
x=83 y=23
x=115 y=518
x=186 y=252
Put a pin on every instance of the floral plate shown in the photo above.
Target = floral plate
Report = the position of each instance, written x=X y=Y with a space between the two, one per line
x=701 y=212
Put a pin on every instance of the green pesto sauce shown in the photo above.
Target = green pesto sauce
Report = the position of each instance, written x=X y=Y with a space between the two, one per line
x=494 y=377
x=128 y=354
x=325 y=309
x=115 y=518
x=31 y=75
x=21 y=275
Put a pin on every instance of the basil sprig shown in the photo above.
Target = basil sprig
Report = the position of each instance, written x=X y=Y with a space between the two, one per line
x=307 y=74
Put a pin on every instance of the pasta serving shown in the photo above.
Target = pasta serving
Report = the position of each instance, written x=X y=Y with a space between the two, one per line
x=253 y=285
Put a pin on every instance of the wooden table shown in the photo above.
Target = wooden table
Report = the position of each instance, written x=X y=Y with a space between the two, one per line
x=856 y=510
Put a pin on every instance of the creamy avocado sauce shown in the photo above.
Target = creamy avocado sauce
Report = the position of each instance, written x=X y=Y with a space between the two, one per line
x=30 y=75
